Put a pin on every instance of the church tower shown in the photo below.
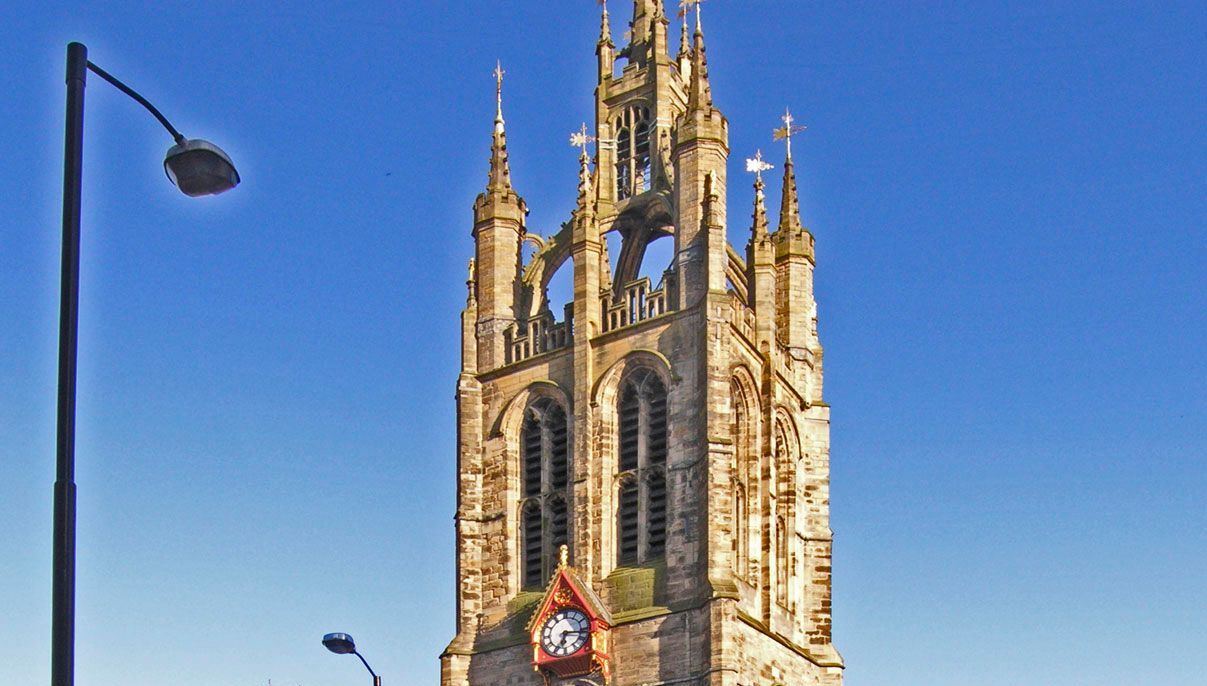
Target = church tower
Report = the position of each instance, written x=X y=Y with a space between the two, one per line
x=643 y=477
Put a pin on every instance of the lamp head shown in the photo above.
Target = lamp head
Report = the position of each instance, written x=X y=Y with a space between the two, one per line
x=199 y=168
x=340 y=644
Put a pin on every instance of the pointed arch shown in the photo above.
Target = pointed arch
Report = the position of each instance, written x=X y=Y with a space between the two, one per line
x=536 y=428
x=643 y=221
x=744 y=471
x=623 y=507
x=786 y=449
x=633 y=410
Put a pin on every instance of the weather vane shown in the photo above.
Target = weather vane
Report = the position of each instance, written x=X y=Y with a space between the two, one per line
x=757 y=165
x=787 y=131
x=685 y=5
x=580 y=139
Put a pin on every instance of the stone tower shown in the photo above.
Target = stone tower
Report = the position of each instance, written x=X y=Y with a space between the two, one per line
x=671 y=435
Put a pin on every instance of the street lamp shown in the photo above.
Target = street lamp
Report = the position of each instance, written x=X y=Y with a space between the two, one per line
x=197 y=168
x=342 y=644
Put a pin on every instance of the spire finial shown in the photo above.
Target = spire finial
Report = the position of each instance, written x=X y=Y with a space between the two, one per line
x=499 y=92
x=685 y=7
x=605 y=30
x=580 y=140
x=788 y=130
x=757 y=166
x=699 y=94
x=789 y=205
x=500 y=172
x=685 y=46
x=472 y=281
x=563 y=556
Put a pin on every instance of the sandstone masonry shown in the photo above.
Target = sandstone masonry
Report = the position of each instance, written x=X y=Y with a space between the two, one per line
x=730 y=581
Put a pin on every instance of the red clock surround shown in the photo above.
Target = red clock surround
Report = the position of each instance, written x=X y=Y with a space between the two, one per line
x=568 y=608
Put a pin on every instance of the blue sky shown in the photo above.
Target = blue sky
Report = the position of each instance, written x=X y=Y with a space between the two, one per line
x=1008 y=203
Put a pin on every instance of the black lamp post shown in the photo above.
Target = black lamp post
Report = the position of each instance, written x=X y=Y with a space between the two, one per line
x=342 y=644
x=197 y=168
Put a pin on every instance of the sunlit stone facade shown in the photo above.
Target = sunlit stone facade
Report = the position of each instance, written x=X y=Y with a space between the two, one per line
x=670 y=431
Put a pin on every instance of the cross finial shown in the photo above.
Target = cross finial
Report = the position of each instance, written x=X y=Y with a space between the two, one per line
x=788 y=130
x=757 y=165
x=563 y=556
x=498 y=72
x=580 y=139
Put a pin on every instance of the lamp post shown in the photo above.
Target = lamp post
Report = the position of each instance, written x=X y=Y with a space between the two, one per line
x=197 y=168
x=342 y=644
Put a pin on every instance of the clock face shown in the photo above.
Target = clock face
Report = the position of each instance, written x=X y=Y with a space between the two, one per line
x=565 y=632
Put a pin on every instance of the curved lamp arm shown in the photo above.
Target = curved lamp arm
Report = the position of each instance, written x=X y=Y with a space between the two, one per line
x=376 y=679
x=137 y=98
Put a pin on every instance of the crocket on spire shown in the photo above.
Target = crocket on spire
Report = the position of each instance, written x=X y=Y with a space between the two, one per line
x=499 y=179
x=699 y=92
x=757 y=166
x=605 y=31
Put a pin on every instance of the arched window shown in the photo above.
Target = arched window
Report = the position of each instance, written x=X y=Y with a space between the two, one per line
x=785 y=505
x=624 y=167
x=740 y=430
x=781 y=560
x=641 y=513
x=641 y=160
x=545 y=472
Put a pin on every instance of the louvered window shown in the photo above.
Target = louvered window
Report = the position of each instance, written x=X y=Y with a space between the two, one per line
x=630 y=429
x=559 y=527
x=545 y=472
x=628 y=524
x=641 y=512
x=533 y=545
x=532 y=456
x=657 y=515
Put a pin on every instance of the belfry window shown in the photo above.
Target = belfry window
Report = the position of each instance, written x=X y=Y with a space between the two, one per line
x=545 y=475
x=632 y=152
x=641 y=513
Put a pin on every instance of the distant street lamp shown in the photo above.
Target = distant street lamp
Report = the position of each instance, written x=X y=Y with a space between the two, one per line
x=342 y=644
x=197 y=168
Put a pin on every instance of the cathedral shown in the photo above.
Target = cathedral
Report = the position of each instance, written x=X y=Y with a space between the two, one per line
x=643 y=475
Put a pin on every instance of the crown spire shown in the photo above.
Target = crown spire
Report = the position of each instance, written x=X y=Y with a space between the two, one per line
x=789 y=204
x=500 y=171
